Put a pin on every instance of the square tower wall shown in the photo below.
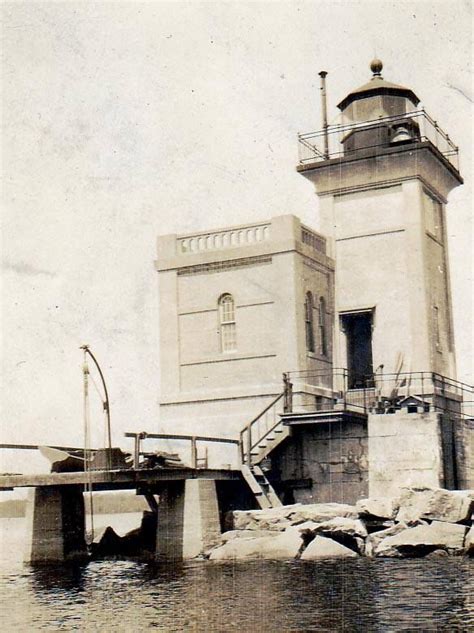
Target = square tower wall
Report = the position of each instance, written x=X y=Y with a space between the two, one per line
x=220 y=368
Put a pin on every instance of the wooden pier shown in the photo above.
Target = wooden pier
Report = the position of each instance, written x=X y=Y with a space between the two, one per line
x=188 y=511
x=187 y=515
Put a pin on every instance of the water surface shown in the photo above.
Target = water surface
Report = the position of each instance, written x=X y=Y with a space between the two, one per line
x=201 y=596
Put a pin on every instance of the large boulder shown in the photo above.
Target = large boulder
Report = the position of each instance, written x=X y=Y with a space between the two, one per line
x=231 y=534
x=283 y=546
x=435 y=504
x=348 y=532
x=469 y=543
x=322 y=547
x=423 y=539
x=380 y=508
x=107 y=543
x=342 y=525
x=268 y=519
x=319 y=512
x=373 y=540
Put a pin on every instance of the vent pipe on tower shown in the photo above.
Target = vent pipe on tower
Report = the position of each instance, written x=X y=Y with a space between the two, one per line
x=324 y=107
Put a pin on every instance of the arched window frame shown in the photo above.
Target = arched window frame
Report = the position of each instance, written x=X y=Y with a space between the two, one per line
x=309 y=325
x=227 y=324
x=322 y=323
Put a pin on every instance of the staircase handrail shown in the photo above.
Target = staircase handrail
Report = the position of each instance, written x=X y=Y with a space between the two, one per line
x=246 y=455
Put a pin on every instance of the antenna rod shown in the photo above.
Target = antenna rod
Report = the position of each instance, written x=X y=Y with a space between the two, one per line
x=324 y=105
x=106 y=403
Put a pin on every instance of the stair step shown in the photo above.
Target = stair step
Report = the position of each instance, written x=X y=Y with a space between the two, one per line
x=278 y=431
x=260 y=494
x=270 y=494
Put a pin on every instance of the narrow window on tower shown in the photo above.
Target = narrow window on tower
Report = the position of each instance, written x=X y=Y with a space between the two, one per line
x=436 y=327
x=227 y=323
x=322 y=327
x=308 y=311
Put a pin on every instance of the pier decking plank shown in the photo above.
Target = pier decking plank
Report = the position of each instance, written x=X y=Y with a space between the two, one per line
x=116 y=479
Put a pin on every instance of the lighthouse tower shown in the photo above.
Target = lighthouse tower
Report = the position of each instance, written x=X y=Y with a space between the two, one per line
x=383 y=177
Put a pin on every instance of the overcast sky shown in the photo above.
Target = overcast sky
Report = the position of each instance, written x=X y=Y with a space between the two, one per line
x=123 y=121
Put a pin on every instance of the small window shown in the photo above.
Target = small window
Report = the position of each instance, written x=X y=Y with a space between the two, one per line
x=227 y=323
x=308 y=311
x=322 y=327
x=434 y=217
x=436 y=327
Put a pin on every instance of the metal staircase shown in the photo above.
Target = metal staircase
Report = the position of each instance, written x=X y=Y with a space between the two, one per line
x=257 y=440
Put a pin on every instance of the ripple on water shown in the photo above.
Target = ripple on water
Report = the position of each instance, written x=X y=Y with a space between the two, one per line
x=364 y=595
x=260 y=596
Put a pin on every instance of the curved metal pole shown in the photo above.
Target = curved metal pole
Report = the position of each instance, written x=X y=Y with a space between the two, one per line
x=106 y=403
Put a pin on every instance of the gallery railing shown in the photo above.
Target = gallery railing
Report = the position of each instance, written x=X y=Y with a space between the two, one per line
x=343 y=139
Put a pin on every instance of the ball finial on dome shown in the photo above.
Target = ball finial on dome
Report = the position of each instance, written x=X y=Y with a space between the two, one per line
x=376 y=67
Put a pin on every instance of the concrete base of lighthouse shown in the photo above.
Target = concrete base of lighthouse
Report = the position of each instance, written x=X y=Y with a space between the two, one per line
x=55 y=523
x=405 y=450
x=188 y=519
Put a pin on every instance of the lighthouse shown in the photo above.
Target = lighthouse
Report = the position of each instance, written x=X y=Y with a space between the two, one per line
x=356 y=317
x=383 y=176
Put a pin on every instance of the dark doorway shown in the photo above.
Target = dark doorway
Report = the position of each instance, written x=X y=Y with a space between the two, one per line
x=358 y=329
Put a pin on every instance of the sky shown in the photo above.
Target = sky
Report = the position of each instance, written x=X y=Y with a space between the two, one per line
x=126 y=120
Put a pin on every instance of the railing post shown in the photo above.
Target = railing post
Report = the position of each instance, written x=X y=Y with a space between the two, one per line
x=423 y=125
x=193 y=452
x=241 y=448
x=249 y=445
x=285 y=391
x=288 y=397
x=345 y=385
x=136 y=452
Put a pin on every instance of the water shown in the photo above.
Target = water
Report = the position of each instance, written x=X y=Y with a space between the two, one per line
x=262 y=597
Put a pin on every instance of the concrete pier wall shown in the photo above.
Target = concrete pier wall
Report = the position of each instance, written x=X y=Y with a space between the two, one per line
x=55 y=521
x=188 y=519
x=323 y=463
x=464 y=441
x=405 y=449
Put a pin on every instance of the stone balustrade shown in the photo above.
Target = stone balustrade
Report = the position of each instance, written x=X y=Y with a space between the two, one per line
x=313 y=240
x=228 y=238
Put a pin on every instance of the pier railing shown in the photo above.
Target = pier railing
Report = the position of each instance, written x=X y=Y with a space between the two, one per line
x=192 y=440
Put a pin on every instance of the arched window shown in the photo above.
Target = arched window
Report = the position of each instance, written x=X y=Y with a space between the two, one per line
x=322 y=327
x=227 y=323
x=308 y=315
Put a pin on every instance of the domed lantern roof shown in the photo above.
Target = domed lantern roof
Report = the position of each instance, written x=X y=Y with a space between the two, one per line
x=388 y=97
